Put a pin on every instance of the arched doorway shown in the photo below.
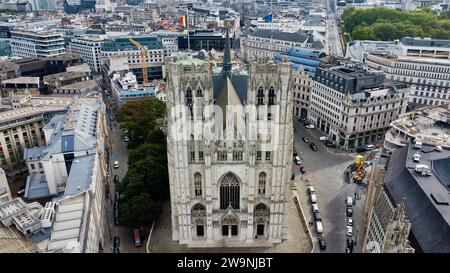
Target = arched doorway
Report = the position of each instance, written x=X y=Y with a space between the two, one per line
x=261 y=216
x=229 y=192
x=198 y=214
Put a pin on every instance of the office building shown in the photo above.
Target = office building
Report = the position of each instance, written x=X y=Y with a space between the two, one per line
x=154 y=51
x=36 y=44
x=264 y=45
x=89 y=48
x=354 y=106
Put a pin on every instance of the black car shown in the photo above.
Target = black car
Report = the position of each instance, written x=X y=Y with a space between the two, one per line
x=116 y=178
x=322 y=244
x=302 y=170
x=350 y=243
x=313 y=146
x=330 y=144
x=349 y=212
x=116 y=241
x=317 y=216
x=305 y=140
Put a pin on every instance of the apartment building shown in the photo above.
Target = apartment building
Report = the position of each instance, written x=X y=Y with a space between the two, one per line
x=302 y=85
x=354 y=106
x=89 y=48
x=36 y=44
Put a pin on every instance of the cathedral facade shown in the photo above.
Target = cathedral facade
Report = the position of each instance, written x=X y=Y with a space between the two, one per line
x=229 y=152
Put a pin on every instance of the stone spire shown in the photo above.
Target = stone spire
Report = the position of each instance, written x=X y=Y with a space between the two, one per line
x=226 y=70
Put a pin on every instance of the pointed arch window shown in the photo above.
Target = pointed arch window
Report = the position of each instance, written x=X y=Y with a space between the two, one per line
x=199 y=92
x=198 y=184
x=271 y=96
x=188 y=96
x=262 y=183
x=229 y=192
x=260 y=96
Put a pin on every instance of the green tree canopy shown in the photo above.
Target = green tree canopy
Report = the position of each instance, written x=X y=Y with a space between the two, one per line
x=391 y=24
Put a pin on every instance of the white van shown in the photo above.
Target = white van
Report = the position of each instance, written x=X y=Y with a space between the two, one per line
x=319 y=227
x=418 y=145
x=315 y=208
x=423 y=169
x=349 y=201
x=313 y=198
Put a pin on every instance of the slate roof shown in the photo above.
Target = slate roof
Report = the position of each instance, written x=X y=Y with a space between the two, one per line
x=298 y=37
x=430 y=221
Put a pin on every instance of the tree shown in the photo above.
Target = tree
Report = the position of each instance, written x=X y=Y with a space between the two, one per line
x=140 y=118
x=139 y=211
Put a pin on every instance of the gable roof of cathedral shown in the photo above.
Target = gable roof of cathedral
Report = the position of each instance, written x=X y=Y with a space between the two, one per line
x=227 y=80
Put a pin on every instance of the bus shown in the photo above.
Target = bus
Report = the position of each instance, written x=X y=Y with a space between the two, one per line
x=137 y=238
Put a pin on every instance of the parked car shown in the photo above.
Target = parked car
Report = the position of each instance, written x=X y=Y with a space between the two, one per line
x=305 y=139
x=330 y=144
x=136 y=238
x=349 y=222
x=116 y=164
x=294 y=154
x=311 y=189
x=313 y=146
x=313 y=198
x=350 y=243
x=370 y=147
x=315 y=208
x=302 y=170
x=21 y=190
x=126 y=139
x=310 y=126
x=349 y=201
x=116 y=242
x=297 y=160
x=317 y=216
x=349 y=231
x=116 y=178
x=295 y=130
x=323 y=138
x=349 y=212
x=322 y=244
x=319 y=227
x=438 y=148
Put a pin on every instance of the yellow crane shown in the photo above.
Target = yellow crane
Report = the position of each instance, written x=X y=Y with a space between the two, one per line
x=144 y=63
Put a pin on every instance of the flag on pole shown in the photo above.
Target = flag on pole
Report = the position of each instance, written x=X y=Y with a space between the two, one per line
x=268 y=18
x=183 y=21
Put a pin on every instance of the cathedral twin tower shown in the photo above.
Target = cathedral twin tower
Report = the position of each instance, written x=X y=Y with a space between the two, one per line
x=229 y=152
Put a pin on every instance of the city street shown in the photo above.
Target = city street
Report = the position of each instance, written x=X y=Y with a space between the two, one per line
x=119 y=152
x=325 y=172
x=333 y=38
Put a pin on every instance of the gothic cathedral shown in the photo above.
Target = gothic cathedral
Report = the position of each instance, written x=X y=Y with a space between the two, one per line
x=229 y=143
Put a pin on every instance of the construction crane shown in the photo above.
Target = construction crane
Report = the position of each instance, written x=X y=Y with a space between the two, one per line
x=144 y=63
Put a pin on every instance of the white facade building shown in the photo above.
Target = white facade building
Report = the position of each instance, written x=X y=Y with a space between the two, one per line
x=5 y=192
x=89 y=48
x=263 y=45
x=354 y=107
x=29 y=44
x=422 y=63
